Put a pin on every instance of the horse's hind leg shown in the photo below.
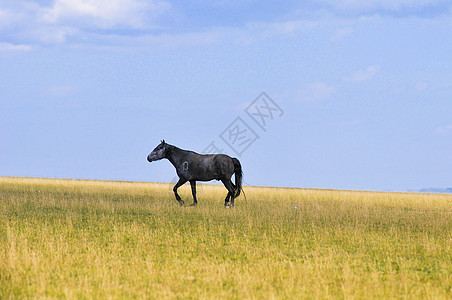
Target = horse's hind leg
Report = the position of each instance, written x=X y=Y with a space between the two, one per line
x=193 y=192
x=232 y=192
x=230 y=187
x=226 y=200
x=178 y=184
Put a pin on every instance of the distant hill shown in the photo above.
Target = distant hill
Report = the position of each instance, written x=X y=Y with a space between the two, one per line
x=436 y=190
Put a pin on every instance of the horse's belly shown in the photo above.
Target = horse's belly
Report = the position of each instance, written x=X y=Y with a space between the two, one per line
x=207 y=177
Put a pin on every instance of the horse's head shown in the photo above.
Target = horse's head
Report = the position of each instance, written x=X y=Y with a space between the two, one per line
x=161 y=151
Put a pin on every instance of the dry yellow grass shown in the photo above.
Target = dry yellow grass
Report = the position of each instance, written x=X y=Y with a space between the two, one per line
x=95 y=239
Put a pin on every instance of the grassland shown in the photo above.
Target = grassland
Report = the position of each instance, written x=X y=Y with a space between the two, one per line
x=92 y=239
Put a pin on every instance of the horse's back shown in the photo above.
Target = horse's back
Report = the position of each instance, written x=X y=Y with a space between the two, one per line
x=215 y=166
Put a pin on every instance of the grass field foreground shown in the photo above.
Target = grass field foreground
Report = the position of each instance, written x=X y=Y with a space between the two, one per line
x=95 y=239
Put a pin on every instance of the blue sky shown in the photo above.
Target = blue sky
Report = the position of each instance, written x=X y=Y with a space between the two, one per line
x=90 y=87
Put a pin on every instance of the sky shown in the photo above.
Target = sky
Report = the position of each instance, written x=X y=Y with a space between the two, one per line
x=329 y=94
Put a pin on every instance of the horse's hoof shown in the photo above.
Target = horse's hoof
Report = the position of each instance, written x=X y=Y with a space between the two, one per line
x=193 y=204
x=181 y=202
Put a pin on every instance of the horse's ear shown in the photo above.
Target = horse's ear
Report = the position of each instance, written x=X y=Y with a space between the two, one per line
x=163 y=142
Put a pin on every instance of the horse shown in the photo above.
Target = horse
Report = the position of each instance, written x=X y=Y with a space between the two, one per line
x=191 y=166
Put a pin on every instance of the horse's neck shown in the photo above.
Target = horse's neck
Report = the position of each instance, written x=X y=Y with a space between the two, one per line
x=177 y=156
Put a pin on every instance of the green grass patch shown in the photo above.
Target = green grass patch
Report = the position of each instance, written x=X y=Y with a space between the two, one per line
x=93 y=239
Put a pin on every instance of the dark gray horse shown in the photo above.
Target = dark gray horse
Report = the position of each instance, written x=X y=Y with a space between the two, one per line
x=191 y=166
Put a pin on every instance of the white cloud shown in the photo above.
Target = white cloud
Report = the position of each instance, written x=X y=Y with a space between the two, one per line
x=398 y=89
x=53 y=34
x=28 y=22
x=246 y=35
x=17 y=15
x=315 y=91
x=417 y=87
x=93 y=23
x=7 y=18
x=104 y=14
x=12 y=47
x=341 y=34
x=388 y=5
x=421 y=86
x=443 y=129
x=255 y=31
x=280 y=28
x=347 y=123
x=363 y=75
x=59 y=91
x=162 y=41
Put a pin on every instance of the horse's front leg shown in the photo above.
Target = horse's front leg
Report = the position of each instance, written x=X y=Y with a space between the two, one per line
x=178 y=184
x=193 y=192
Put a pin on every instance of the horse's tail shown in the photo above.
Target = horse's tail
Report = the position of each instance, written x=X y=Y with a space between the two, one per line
x=238 y=178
